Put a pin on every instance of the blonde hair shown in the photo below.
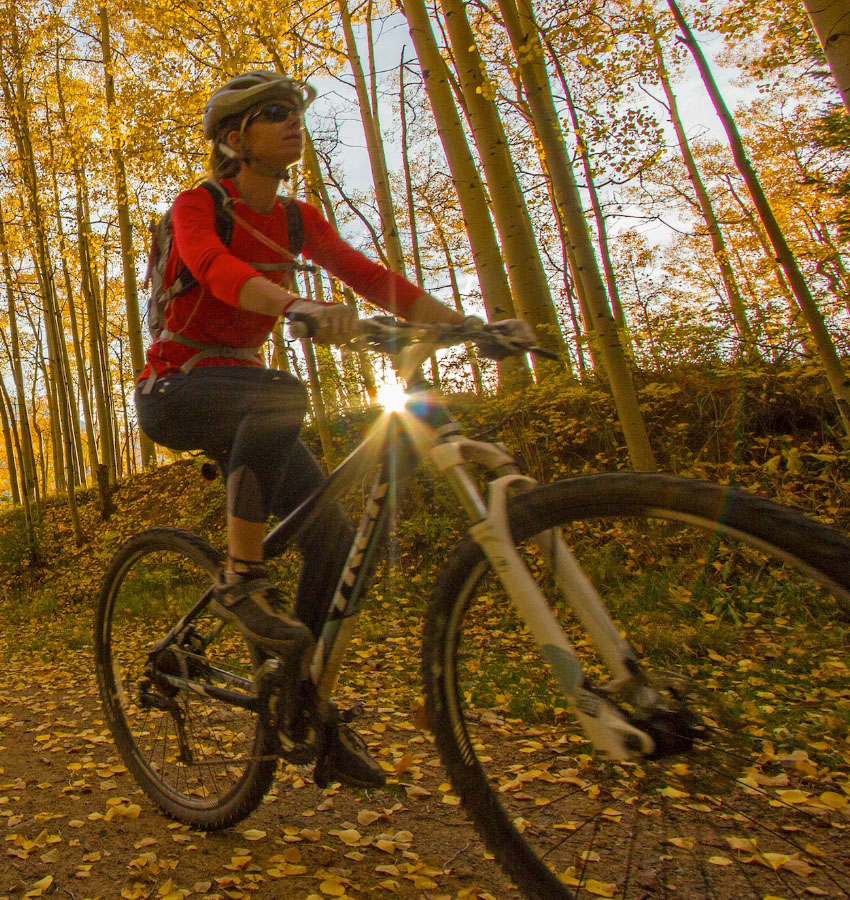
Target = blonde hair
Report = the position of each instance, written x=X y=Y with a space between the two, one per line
x=220 y=166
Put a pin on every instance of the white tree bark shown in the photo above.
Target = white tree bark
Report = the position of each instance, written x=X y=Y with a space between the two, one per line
x=831 y=21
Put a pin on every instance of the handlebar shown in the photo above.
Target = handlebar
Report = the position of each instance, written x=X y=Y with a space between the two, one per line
x=385 y=334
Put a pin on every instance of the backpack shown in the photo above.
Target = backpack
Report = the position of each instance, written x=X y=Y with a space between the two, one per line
x=162 y=238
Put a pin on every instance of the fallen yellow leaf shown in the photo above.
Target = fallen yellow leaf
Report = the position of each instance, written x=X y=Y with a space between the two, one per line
x=792 y=796
x=350 y=836
x=673 y=793
x=685 y=843
x=367 y=817
x=600 y=888
x=834 y=800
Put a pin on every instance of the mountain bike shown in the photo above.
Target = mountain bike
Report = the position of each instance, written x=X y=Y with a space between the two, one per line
x=637 y=683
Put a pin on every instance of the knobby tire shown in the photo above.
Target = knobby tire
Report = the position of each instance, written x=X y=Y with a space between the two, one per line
x=469 y=640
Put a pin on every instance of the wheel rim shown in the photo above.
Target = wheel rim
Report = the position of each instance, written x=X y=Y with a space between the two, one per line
x=722 y=615
x=204 y=767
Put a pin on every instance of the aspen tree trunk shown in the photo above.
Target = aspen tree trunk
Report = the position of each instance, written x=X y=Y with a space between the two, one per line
x=320 y=416
x=755 y=305
x=29 y=526
x=522 y=256
x=317 y=184
x=63 y=402
x=326 y=375
x=50 y=360
x=718 y=244
x=82 y=378
x=26 y=455
x=798 y=323
x=598 y=214
x=79 y=351
x=324 y=357
x=54 y=421
x=373 y=69
x=281 y=360
x=11 y=468
x=319 y=411
x=573 y=288
x=835 y=375
x=471 y=191
x=411 y=208
x=374 y=147
x=59 y=389
x=458 y=301
x=831 y=21
x=840 y=278
x=42 y=453
x=74 y=407
x=524 y=35
x=128 y=258
x=563 y=236
x=830 y=266
x=12 y=95
x=97 y=350
x=103 y=319
x=40 y=457
x=128 y=431
x=569 y=262
x=61 y=427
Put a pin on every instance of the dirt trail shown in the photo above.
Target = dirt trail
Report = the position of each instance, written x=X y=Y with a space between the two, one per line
x=74 y=824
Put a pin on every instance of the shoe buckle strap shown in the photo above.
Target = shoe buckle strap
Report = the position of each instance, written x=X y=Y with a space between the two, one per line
x=231 y=594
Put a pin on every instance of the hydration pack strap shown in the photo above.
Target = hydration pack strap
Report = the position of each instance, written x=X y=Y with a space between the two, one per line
x=292 y=261
x=205 y=351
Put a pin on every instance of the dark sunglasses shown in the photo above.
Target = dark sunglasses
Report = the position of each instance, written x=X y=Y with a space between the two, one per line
x=275 y=112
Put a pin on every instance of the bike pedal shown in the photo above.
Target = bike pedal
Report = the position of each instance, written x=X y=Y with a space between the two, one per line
x=297 y=754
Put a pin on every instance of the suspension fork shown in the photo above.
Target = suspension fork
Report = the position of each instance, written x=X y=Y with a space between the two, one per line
x=603 y=722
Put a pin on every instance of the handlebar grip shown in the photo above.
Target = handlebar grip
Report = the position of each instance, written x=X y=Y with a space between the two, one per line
x=301 y=325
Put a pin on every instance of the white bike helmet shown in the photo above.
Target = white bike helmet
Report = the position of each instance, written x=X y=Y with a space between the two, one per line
x=244 y=92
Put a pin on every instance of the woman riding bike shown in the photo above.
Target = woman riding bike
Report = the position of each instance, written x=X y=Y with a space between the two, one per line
x=224 y=401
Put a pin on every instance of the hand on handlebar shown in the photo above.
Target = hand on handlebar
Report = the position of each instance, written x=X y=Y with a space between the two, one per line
x=508 y=337
x=327 y=323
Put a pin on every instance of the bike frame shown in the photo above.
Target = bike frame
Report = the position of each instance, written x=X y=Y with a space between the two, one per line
x=425 y=429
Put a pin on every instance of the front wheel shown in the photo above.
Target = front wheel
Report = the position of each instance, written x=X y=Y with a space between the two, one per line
x=739 y=609
x=203 y=761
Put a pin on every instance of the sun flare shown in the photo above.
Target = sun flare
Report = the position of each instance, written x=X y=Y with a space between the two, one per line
x=391 y=396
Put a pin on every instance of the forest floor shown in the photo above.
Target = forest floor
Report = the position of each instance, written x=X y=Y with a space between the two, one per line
x=74 y=824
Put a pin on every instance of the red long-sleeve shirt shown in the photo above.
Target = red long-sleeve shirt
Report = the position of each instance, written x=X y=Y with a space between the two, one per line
x=209 y=312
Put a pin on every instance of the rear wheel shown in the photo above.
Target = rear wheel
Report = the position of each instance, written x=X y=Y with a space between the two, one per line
x=203 y=761
x=738 y=609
